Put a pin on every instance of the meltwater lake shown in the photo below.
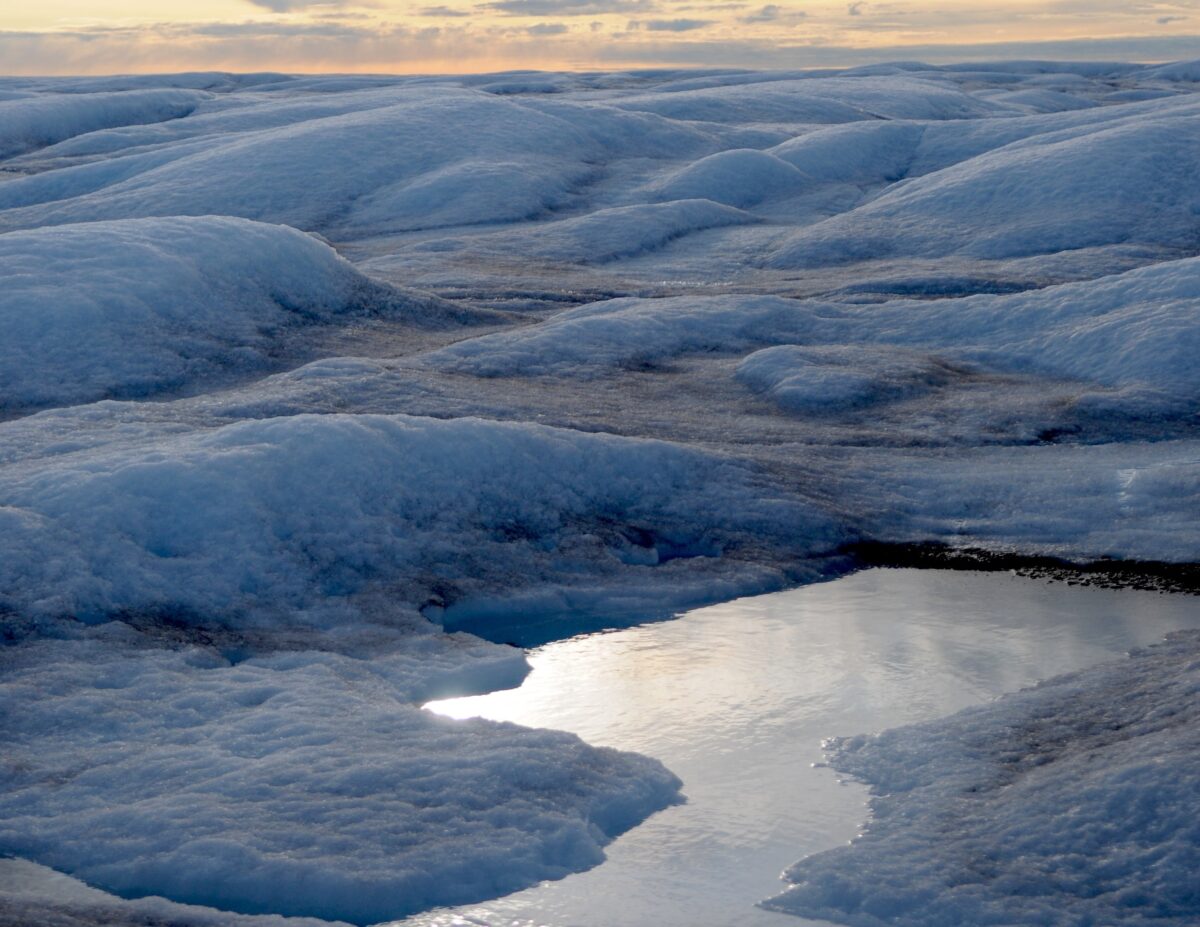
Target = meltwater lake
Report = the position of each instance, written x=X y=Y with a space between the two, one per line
x=737 y=698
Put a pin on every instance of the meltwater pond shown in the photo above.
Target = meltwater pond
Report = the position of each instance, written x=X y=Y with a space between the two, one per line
x=736 y=699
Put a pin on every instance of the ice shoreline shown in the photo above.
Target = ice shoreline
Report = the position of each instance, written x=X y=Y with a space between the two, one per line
x=1074 y=801
x=132 y=913
x=233 y=424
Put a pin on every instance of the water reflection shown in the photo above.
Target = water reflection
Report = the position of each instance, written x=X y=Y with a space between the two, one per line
x=736 y=699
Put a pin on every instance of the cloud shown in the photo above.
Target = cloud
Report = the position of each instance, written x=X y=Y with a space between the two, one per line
x=856 y=8
x=773 y=54
x=441 y=11
x=288 y=6
x=567 y=7
x=667 y=25
x=772 y=13
x=1164 y=20
x=768 y=14
x=674 y=25
x=546 y=29
x=465 y=45
x=278 y=30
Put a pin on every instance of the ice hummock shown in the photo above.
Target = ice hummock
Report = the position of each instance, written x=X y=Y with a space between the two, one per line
x=136 y=307
x=1069 y=803
x=296 y=783
x=253 y=464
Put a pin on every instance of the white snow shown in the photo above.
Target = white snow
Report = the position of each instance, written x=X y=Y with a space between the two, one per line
x=135 y=307
x=296 y=783
x=1134 y=181
x=41 y=120
x=1072 y=802
x=604 y=337
x=297 y=373
x=603 y=235
x=304 y=510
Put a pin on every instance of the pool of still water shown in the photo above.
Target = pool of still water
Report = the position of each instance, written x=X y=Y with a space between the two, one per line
x=736 y=699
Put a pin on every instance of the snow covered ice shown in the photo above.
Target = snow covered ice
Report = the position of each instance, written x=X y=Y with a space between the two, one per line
x=299 y=375
x=1072 y=804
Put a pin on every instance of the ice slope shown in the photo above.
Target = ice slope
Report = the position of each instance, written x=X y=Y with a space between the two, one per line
x=434 y=157
x=830 y=100
x=603 y=338
x=216 y=116
x=137 y=307
x=296 y=783
x=30 y=893
x=1069 y=803
x=603 y=235
x=1103 y=185
x=864 y=153
x=704 y=381
x=34 y=122
x=1133 y=333
x=1121 y=499
x=304 y=510
x=1131 y=337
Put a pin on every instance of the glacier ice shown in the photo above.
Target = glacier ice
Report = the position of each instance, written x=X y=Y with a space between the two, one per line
x=300 y=374
x=1068 y=803
x=132 y=308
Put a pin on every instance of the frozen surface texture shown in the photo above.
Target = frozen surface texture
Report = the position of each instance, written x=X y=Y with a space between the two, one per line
x=302 y=378
x=135 y=307
x=1069 y=803
x=300 y=783
x=306 y=510
x=39 y=120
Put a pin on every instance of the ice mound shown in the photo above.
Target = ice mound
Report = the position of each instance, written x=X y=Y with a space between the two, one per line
x=863 y=153
x=1134 y=332
x=136 y=307
x=1121 y=499
x=621 y=334
x=742 y=177
x=424 y=157
x=604 y=235
x=822 y=379
x=824 y=101
x=306 y=509
x=295 y=783
x=1073 y=802
x=44 y=119
x=1132 y=182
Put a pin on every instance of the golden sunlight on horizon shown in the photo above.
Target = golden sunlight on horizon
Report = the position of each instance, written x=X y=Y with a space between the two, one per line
x=81 y=37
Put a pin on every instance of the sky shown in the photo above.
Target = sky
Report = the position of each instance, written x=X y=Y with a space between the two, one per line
x=443 y=36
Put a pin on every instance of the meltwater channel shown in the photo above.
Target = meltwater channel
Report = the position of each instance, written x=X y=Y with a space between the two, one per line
x=737 y=698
